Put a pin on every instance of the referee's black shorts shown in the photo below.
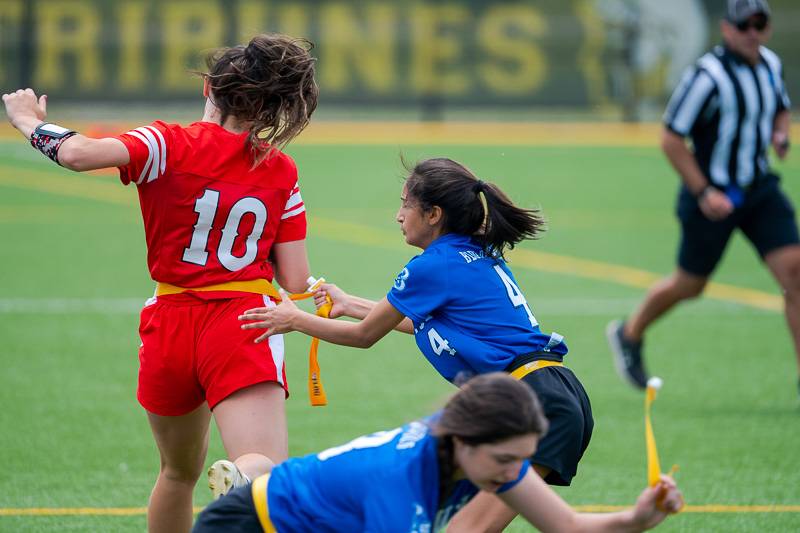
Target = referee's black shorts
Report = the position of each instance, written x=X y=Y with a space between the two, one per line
x=234 y=512
x=767 y=218
x=567 y=408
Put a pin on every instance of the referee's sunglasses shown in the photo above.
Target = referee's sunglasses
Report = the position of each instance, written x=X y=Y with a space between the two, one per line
x=759 y=22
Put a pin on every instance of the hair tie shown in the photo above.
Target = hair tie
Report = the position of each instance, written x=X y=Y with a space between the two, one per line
x=478 y=188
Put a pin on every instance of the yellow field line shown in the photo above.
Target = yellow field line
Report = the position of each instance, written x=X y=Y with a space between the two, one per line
x=467 y=133
x=71 y=511
x=112 y=192
x=554 y=263
x=712 y=508
x=437 y=133
x=138 y=511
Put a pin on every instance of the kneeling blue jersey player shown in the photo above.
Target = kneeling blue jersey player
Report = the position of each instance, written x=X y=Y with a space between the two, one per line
x=414 y=478
x=462 y=303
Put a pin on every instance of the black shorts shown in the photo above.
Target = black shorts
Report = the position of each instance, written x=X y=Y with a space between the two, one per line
x=766 y=218
x=569 y=412
x=234 y=512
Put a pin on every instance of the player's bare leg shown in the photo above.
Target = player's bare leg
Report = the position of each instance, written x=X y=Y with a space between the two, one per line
x=182 y=444
x=784 y=263
x=252 y=424
x=662 y=297
x=486 y=513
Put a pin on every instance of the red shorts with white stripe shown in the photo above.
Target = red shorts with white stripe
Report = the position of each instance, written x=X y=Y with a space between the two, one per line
x=194 y=350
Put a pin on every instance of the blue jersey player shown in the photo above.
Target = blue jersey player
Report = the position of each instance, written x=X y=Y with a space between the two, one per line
x=413 y=478
x=466 y=311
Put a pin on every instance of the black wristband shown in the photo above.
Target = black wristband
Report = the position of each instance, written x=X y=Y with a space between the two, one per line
x=47 y=138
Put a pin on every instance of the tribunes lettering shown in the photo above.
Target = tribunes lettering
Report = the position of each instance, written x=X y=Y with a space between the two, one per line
x=378 y=49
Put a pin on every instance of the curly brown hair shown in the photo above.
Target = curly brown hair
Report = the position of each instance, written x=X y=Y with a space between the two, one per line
x=268 y=83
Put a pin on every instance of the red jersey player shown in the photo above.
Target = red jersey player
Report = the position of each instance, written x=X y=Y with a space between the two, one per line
x=223 y=216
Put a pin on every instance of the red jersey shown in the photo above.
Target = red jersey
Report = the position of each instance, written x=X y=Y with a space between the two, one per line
x=209 y=217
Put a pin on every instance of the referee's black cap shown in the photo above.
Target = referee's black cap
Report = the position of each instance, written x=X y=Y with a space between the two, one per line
x=741 y=10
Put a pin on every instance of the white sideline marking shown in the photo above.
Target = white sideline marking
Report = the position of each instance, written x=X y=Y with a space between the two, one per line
x=61 y=306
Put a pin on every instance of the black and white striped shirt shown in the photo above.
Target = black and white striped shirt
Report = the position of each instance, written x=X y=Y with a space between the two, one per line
x=728 y=107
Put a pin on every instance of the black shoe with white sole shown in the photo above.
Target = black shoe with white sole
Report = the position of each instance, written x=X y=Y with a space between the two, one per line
x=627 y=355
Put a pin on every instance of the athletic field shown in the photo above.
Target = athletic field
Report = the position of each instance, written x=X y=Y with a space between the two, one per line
x=76 y=450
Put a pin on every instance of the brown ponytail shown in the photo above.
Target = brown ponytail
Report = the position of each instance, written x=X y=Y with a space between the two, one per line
x=471 y=206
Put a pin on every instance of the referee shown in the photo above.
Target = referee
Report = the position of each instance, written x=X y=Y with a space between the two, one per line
x=732 y=104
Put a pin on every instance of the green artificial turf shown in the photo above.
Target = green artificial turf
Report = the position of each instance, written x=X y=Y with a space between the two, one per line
x=73 y=274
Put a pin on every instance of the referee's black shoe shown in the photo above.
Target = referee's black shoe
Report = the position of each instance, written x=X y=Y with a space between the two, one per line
x=627 y=355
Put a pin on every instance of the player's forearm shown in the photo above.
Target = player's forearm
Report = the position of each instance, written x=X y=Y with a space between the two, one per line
x=359 y=308
x=335 y=331
x=683 y=161
x=619 y=522
x=26 y=124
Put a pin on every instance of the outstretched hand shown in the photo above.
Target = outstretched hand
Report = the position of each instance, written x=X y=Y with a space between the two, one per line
x=655 y=503
x=275 y=320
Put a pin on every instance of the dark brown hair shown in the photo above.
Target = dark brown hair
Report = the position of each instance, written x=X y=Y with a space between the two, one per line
x=457 y=191
x=489 y=408
x=270 y=83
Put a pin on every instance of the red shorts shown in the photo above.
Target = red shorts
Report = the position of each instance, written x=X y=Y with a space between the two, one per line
x=194 y=350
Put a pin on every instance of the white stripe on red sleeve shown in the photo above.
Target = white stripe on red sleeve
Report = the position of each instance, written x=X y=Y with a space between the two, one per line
x=156 y=153
x=149 y=162
x=294 y=212
x=294 y=204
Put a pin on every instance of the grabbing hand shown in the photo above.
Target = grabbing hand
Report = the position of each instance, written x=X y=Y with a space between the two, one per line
x=655 y=503
x=275 y=320
x=339 y=298
x=780 y=141
x=23 y=107
x=715 y=204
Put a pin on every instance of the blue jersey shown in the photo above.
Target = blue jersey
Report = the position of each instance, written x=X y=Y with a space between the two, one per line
x=468 y=312
x=387 y=481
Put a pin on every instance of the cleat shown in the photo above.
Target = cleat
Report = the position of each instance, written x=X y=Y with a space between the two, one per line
x=224 y=476
x=627 y=355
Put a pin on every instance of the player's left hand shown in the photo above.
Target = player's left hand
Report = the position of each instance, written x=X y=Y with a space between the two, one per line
x=655 y=503
x=23 y=104
x=780 y=141
x=275 y=320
